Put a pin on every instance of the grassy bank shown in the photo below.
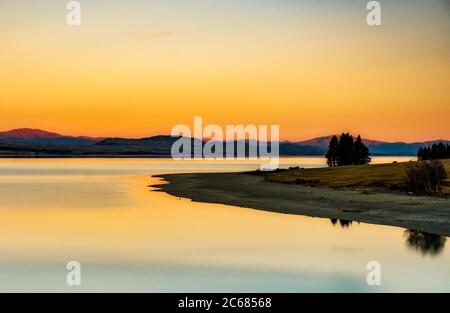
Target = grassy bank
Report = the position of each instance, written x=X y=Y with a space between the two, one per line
x=387 y=176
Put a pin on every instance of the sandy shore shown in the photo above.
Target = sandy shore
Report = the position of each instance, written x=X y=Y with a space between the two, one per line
x=429 y=214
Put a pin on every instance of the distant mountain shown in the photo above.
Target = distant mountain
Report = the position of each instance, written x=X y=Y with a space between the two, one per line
x=158 y=140
x=377 y=147
x=163 y=144
x=324 y=142
x=28 y=133
x=401 y=148
x=36 y=142
x=38 y=136
x=157 y=145
x=292 y=149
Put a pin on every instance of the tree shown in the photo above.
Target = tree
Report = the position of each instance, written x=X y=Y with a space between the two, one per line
x=332 y=152
x=441 y=151
x=345 y=151
x=436 y=151
x=420 y=153
x=362 y=154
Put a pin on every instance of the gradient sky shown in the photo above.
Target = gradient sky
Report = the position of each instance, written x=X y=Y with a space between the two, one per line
x=136 y=68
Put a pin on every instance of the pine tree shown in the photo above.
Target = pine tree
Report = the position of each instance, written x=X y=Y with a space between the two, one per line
x=332 y=152
x=426 y=154
x=420 y=154
x=441 y=151
x=345 y=152
x=361 y=153
x=435 y=152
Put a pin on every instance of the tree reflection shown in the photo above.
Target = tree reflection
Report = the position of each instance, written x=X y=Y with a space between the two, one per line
x=343 y=223
x=425 y=243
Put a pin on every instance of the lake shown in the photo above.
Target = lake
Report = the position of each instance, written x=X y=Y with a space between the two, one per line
x=128 y=237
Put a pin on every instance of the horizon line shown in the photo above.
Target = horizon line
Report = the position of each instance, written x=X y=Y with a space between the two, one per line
x=162 y=134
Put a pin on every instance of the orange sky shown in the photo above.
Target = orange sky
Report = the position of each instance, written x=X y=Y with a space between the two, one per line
x=134 y=69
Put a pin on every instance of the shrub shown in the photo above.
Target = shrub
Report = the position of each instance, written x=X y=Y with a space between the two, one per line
x=425 y=177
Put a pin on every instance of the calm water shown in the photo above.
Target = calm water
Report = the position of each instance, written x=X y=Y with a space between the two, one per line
x=127 y=237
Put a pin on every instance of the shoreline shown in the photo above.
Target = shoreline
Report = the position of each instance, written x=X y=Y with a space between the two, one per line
x=429 y=214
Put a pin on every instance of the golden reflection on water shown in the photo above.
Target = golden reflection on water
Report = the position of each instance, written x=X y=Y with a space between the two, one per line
x=61 y=210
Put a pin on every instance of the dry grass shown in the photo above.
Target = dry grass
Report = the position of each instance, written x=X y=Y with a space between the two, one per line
x=390 y=176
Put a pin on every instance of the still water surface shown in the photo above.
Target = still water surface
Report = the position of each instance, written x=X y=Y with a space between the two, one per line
x=128 y=237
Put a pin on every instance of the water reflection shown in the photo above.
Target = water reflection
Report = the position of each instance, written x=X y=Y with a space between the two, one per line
x=343 y=223
x=425 y=243
x=422 y=242
x=133 y=240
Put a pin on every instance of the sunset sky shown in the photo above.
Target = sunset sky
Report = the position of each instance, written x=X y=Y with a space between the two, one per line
x=137 y=68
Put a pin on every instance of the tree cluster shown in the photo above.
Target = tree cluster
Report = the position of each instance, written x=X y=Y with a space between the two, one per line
x=346 y=151
x=435 y=152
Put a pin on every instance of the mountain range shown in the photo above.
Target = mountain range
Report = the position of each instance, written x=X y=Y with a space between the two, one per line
x=377 y=147
x=27 y=142
x=44 y=137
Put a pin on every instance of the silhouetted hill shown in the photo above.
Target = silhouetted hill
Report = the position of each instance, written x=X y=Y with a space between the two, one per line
x=37 y=136
x=28 y=133
x=155 y=140
x=377 y=147
x=34 y=142
x=164 y=144
x=400 y=148
x=157 y=145
x=324 y=142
